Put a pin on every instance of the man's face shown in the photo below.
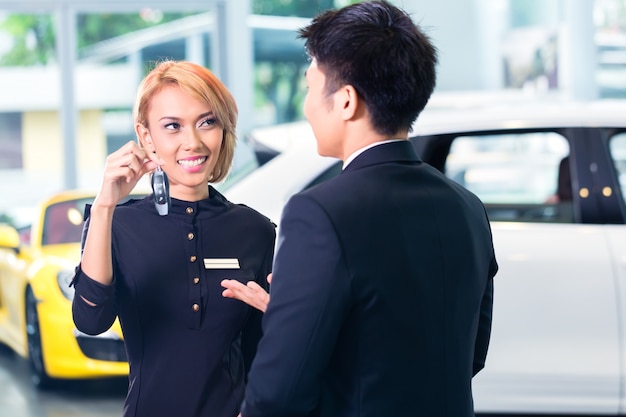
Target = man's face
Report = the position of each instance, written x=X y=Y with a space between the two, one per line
x=319 y=110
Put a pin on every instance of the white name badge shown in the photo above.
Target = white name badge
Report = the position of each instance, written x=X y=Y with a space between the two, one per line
x=221 y=263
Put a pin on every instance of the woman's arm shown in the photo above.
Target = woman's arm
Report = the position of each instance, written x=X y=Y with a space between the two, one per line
x=123 y=169
x=93 y=307
x=97 y=261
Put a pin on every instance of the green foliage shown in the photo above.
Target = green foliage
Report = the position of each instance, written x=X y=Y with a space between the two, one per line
x=282 y=85
x=7 y=219
x=298 y=8
x=34 y=36
x=33 y=39
x=96 y=28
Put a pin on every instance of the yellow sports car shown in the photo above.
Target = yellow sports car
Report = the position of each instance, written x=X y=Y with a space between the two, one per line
x=36 y=267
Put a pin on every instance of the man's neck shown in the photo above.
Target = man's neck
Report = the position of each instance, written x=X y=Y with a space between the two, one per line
x=358 y=152
x=363 y=138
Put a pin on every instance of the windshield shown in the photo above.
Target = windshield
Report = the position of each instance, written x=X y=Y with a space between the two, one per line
x=63 y=222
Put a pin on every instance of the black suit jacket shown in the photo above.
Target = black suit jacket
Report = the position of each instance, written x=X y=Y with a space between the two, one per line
x=381 y=296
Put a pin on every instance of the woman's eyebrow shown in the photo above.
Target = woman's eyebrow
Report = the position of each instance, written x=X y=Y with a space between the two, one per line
x=203 y=115
x=176 y=118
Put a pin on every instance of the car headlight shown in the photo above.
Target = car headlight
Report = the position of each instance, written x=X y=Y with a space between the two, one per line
x=64 y=278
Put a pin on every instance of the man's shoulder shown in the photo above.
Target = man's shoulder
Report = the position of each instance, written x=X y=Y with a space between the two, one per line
x=331 y=188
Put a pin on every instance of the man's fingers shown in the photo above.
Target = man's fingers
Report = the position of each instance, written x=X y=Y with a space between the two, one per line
x=250 y=293
x=235 y=288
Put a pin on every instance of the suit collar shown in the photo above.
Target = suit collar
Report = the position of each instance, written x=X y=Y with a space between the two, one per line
x=398 y=151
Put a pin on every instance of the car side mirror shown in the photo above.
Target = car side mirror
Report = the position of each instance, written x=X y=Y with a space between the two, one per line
x=9 y=238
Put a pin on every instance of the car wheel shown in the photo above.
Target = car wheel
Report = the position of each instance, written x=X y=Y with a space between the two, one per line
x=35 y=352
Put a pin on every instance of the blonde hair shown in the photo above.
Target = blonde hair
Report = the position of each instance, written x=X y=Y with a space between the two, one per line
x=203 y=85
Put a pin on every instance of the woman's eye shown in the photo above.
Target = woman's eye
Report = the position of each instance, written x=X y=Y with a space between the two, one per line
x=172 y=126
x=208 y=121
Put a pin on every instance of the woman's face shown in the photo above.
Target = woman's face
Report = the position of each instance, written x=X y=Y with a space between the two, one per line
x=184 y=133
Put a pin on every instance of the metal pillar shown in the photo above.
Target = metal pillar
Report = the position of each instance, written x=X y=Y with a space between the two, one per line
x=579 y=57
x=66 y=50
x=233 y=58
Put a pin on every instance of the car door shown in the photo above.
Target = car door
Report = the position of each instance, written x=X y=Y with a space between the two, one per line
x=13 y=263
x=617 y=239
x=555 y=344
x=616 y=236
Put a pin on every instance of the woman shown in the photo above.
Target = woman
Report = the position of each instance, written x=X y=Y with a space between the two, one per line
x=188 y=347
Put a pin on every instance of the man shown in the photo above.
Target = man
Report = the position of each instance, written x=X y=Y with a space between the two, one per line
x=382 y=287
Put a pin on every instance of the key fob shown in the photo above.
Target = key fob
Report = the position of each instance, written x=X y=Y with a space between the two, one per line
x=161 y=190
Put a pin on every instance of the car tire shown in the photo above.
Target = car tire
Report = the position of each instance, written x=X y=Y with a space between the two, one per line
x=35 y=351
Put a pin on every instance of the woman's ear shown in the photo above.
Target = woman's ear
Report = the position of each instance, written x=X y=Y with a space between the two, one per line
x=143 y=135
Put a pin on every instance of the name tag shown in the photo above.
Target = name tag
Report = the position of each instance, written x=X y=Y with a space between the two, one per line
x=221 y=263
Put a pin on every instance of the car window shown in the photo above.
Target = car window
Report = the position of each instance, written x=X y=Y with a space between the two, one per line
x=517 y=176
x=63 y=222
x=617 y=147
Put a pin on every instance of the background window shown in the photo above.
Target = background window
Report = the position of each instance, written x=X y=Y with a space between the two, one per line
x=10 y=140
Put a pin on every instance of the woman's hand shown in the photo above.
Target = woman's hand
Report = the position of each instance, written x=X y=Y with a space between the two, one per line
x=123 y=170
x=251 y=293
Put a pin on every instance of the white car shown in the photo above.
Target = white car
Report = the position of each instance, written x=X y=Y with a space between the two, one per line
x=559 y=322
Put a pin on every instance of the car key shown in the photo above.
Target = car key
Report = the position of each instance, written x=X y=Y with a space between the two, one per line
x=161 y=189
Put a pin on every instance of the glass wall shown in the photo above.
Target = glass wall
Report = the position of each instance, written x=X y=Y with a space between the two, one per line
x=497 y=45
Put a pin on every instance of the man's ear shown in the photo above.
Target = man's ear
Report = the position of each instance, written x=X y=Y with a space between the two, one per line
x=143 y=135
x=347 y=101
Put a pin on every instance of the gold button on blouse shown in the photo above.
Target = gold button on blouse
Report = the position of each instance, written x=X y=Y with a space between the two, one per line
x=196 y=280
x=189 y=210
x=192 y=258
x=195 y=308
x=190 y=236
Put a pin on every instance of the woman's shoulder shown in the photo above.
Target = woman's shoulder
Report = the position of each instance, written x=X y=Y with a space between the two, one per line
x=132 y=203
x=252 y=217
x=132 y=208
x=253 y=214
x=241 y=209
x=255 y=225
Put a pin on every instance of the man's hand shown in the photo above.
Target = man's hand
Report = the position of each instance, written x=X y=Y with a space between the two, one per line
x=251 y=293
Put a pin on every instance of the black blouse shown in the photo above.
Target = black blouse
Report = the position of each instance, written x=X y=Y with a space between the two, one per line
x=188 y=347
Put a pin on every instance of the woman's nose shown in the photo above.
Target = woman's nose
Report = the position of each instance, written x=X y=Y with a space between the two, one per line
x=192 y=140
